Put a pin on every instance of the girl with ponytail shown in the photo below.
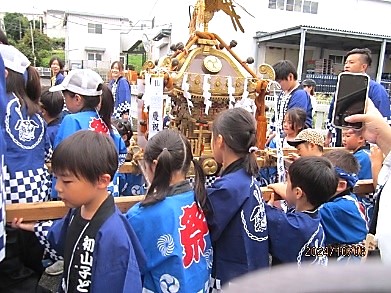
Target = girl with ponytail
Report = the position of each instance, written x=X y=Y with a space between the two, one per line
x=236 y=213
x=170 y=221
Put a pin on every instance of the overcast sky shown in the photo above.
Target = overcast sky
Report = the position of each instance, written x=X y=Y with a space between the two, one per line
x=132 y=9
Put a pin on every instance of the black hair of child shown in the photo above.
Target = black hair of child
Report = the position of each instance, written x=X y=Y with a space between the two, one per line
x=107 y=105
x=297 y=116
x=317 y=178
x=344 y=160
x=172 y=151
x=124 y=128
x=237 y=127
x=28 y=92
x=86 y=154
x=283 y=68
x=364 y=52
x=52 y=102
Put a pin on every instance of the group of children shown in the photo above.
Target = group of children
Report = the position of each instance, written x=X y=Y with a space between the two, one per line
x=34 y=124
x=180 y=238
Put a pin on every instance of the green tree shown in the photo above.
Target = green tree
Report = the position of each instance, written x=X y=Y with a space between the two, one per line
x=42 y=47
x=58 y=43
x=16 y=26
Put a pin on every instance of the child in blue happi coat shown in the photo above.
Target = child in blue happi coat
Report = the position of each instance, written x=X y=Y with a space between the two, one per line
x=100 y=249
x=129 y=183
x=51 y=104
x=353 y=140
x=2 y=150
x=170 y=221
x=90 y=103
x=235 y=207
x=293 y=124
x=342 y=215
x=26 y=178
x=296 y=234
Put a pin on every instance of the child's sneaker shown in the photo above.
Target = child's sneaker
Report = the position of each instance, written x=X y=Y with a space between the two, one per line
x=55 y=269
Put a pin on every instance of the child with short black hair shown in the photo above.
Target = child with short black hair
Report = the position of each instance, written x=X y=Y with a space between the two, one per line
x=100 y=249
x=51 y=108
x=235 y=207
x=342 y=216
x=170 y=221
x=291 y=95
x=292 y=235
x=354 y=141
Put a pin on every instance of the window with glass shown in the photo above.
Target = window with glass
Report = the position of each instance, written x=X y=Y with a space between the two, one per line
x=94 y=56
x=94 y=28
x=337 y=59
x=272 y=4
x=295 y=5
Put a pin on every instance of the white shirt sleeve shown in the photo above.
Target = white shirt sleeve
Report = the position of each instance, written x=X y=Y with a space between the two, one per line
x=383 y=229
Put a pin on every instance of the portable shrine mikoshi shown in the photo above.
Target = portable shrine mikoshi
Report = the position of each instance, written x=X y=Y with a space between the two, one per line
x=204 y=77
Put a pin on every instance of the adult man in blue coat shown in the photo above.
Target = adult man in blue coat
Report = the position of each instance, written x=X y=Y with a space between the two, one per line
x=358 y=61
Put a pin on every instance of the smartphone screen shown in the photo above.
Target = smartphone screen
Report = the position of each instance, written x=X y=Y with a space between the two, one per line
x=352 y=91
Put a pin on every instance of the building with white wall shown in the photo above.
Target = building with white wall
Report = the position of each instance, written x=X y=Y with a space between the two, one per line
x=91 y=41
x=332 y=28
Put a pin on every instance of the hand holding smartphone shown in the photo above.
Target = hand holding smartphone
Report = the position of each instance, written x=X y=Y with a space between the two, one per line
x=350 y=98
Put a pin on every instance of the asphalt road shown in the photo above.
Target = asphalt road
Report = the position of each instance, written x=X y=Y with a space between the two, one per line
x=50 y=282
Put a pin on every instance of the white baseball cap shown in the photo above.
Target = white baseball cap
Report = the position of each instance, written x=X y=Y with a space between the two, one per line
x=81 y=81
x=14 y=59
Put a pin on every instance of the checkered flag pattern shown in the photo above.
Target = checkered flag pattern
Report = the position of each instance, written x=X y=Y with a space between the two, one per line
x=2 y=210
x=214 y=285
x=27 y=186
x=123 y=107
x=333 y=131
x=48 y=155
x=41 y=230
x=208 y=180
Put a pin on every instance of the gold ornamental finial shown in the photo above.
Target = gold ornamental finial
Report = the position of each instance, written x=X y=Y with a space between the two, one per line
x=204 y=10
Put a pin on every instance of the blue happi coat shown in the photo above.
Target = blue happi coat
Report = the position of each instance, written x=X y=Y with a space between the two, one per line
x=2 y=150
x=90 y=120
x=237 y=223
x=121 y=94
x=176 y=241
x=27 y=149
x=343 y=220
x=294 y=235
x=298 y=98
x=2 y=197
x=117 y=255
x=363 y=158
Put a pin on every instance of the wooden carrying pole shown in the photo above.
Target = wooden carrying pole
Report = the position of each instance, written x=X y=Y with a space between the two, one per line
x=57 y=209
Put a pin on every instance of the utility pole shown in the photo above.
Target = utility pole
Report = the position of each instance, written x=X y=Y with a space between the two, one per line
x=32 y=43
x=20 y=29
